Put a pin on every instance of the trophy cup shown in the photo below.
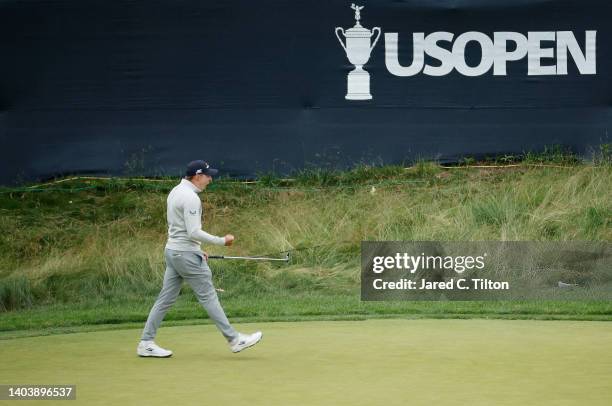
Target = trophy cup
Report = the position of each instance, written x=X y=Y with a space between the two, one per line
x=358 y=48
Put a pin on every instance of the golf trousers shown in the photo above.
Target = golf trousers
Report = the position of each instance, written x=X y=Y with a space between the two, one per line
x=193 y=268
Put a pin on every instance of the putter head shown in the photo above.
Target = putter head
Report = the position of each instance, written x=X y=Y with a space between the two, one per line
x=288 y=256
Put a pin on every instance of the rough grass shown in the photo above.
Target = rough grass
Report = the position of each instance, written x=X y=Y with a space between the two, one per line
x=81 y=242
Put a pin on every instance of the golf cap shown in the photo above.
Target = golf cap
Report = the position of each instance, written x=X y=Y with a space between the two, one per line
x=200 y=167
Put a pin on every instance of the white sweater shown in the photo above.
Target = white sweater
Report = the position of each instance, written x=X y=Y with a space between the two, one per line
x=185 y=219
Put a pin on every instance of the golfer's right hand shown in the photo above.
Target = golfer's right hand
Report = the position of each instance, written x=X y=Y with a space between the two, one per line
x=229 y=240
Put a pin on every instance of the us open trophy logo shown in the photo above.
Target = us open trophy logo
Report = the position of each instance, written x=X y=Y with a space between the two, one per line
x=358 y=48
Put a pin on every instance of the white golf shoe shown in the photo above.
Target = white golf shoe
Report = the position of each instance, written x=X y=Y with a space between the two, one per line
x=244 y=341
x=150 y=349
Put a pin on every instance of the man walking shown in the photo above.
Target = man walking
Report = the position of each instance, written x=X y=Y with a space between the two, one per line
x=185 y=260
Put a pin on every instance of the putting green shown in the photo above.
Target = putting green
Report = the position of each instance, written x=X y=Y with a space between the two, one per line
x=392 y=362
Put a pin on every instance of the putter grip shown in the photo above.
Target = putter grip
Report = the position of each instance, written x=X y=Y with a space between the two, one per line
x=215 y=257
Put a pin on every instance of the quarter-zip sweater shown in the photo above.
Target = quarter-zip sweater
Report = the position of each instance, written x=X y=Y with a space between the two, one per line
x=184 y=215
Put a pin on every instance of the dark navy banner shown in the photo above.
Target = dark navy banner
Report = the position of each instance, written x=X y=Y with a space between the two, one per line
x=141 y=87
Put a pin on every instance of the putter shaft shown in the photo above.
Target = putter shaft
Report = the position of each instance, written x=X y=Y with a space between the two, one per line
x=248 y=258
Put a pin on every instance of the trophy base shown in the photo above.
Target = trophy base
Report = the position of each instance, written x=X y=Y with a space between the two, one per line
x=358 y=96
x=358 y=85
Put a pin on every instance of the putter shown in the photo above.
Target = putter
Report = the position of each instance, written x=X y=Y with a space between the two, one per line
x=285 y=259
x=564 y=285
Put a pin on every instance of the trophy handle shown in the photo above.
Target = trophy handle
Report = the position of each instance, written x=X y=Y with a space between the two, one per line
x=377 y=37
x=338 y=36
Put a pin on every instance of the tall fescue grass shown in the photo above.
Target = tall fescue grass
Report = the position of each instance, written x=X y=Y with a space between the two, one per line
x=103 y=240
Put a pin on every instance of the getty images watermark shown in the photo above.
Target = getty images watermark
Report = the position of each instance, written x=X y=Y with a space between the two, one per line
x=436 y=270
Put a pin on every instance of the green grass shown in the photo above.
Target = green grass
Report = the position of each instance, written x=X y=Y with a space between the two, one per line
x=102 y=315
x=374 y=362
x=92 y=250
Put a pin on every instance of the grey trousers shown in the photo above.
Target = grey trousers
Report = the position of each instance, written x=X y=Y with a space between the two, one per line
x=192 y=267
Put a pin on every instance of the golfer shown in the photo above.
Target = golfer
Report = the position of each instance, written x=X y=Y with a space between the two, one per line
x=185 y=260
